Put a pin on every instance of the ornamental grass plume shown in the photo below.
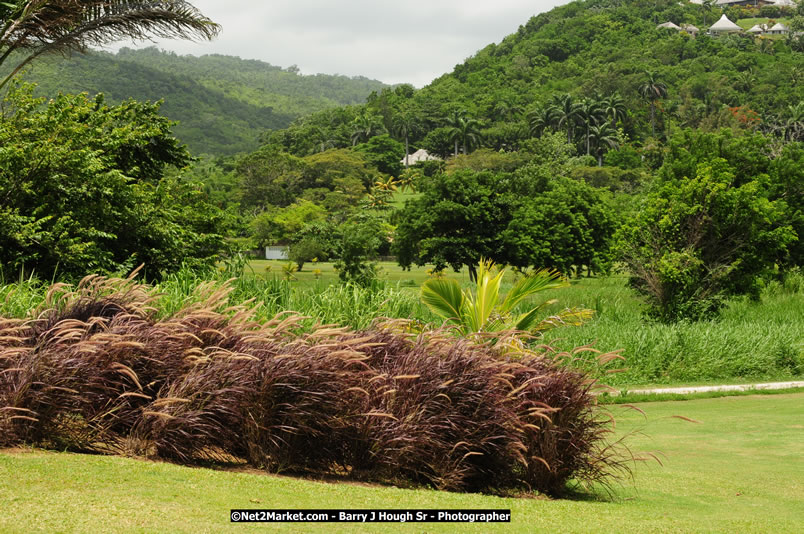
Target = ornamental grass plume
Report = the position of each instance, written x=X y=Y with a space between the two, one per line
x=100 y=369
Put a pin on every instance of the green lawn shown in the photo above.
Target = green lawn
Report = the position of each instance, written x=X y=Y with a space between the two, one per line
x=739 y=470
x=750 y=23
x=389 y=271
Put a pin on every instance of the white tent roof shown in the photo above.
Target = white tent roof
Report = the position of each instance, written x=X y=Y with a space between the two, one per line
x=419 y=155
x=757 y=28
x=689 y=28
x=668 y=25
x=779 y=27
x=725 y=25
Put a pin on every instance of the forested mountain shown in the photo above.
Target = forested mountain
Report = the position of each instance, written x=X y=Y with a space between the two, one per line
x=222 y=103
x=591 y=57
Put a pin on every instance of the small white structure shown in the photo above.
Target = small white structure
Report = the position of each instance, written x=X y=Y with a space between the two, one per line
x=724 y=25
x=418 y=156
x=669 y=26
x=276 y=253
x=690 y=29
x=758 y=29
x=783 y=3
x=779 y=29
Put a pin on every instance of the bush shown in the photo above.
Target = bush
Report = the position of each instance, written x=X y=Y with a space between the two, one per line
x=97 y=372
x=307 y=249
x=710 y=229
x=83 y=187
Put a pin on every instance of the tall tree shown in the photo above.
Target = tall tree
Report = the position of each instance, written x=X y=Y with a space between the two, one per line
x=365 y=126
x=652 y=91
x=61 y=26
x=603 y=138
x=463 y=130
x=565 y=112
x=406 y=123
x=590 y=113
x=614 y=108
x=539 y=119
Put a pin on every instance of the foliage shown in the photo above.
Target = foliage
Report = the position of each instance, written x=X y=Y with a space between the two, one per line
x=305 y=250
x=314 y=401
x=488 y=311
x=524 y=220
x=707 y=234
x=270 y=177
x=384 y=153
x=82 y=188
x=222 y=103
x=359 y=243
x=281 y=225
x=61 y=26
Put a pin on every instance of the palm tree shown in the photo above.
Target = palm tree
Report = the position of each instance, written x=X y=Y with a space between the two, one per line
x=794 y=125
x=406 y=124
x=463 y=130
x=389 y=184
x=706 y=7
x=604 y=138
x=614 y=108
x=745 y=80
x=653 y=90
x=62 y=26
x=505 y=109
x=365 y=126
x=539 y=119
x=590 y=112
x=485 y=310
x=565 y=112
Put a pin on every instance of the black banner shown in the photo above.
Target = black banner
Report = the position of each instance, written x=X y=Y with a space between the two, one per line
x=370 y=516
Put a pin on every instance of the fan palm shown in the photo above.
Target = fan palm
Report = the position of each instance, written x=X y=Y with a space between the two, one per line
x=60 y=26
x=486 y=310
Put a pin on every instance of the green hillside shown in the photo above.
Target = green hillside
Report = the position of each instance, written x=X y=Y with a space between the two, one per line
x=222 y=103
x=592 y=50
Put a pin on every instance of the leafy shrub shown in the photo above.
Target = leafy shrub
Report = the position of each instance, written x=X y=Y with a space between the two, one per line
x=305 y=250
x=95 y=370
x=83 y=187
x=709 y=230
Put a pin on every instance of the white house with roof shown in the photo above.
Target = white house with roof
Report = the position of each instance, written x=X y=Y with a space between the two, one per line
x=779 y=29
x=418 y=156
x=724 y=26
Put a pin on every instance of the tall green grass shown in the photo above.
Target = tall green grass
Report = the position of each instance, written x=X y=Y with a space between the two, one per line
x=750 y=340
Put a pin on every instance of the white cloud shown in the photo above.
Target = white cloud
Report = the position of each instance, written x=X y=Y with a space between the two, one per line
x=414 y=41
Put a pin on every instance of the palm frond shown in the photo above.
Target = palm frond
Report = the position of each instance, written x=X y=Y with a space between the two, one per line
x=444 y=297
x=541 y=280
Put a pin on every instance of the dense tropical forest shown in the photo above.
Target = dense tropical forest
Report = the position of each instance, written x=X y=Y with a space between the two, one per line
x=221 y=104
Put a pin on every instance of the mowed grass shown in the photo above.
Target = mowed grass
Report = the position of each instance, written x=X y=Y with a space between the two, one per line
x=739 y=470
x=388 y=271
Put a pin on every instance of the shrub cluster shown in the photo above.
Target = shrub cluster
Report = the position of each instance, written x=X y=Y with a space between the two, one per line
x=97 y=371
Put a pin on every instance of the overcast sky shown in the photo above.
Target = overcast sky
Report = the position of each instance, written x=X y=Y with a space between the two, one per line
x=411 y=41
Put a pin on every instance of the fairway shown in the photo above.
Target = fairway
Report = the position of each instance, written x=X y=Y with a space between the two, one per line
x=739 y=470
